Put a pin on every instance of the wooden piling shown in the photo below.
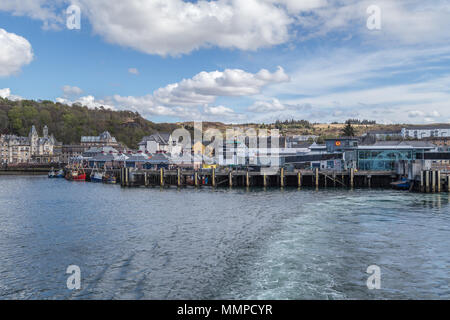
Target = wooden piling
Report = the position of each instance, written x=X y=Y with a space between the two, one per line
x=433 y=181
x=230 y=179
x=179 y=177
x=334 y=179
x=427 y=181
x=247 y=179
x=282 y=177
x=196 y=178
x=421 y=181
x=161 y=177
x=448 y=183
x=317 y=177
x=213 y=178
x=438 y=178
x=299 y=179
x=352 y=178
x=146 y=179
x=265 y=180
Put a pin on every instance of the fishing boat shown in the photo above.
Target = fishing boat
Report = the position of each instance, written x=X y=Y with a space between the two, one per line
x=59 y=174
x=97 y=177
x=402 y=184
x=52 y=174
x=110 y=179
x=78 y=175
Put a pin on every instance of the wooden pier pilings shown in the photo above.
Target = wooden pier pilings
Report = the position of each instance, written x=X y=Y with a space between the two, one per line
x=434 y=181
x=130 y=177
x=428 y=181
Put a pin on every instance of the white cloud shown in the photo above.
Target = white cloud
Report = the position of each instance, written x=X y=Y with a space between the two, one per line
x=87 y=101
x=44 y=10
x=15 y=52
x=219 y=111
x=203 y=89
x=71 y=91
x=172 y=27
x=6 y=94
x=267 y=106
x=133 y=71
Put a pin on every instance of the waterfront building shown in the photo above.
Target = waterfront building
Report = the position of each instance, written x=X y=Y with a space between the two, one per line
x=71 y=151
x=15 y=149
x=384 y=134
x=345 y=145
x=422 y=132
x=389 y=155
x=293 y=141
x=102 y=140
x=159 y=142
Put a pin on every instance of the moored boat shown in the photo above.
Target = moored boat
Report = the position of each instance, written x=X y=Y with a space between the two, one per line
x=59 y=174
x=402 y=184
x=97 y=177
x=78 y=176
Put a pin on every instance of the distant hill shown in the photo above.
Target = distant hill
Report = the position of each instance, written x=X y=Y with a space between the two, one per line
x=69 y=123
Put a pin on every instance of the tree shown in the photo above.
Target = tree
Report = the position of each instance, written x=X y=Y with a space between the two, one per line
x=348 y=130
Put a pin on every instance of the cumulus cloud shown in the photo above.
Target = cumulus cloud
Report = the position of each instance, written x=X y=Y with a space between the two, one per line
x=87 y=101
x=172 y=27
x=15 y=52
x=267 y=106
x=6 y=94
x=44 y=10
x=203 y=89
x=71 y=91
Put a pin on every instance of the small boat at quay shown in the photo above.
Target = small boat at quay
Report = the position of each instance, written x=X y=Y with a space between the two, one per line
x=402 y=184
x=78 y=176
x=97 y=177
x=110 y=179
x=58 y=174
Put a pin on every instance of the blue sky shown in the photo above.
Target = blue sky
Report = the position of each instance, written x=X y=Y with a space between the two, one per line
x=233 y=61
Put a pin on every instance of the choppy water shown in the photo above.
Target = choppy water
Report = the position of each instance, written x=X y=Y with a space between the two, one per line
x=230 y=244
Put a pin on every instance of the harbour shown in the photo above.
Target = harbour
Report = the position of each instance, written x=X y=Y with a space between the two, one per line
x=153 y=243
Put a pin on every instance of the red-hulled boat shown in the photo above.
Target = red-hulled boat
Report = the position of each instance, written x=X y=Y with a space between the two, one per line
x=76 y=176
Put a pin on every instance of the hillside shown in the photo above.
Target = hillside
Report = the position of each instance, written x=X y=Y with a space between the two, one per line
x=69 y=123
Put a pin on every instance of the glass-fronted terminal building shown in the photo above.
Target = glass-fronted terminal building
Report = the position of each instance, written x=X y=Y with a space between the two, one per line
x=386 y=158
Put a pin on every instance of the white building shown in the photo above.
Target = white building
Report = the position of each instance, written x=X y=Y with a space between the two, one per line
x=422 y=132
x=14 y=149
x=159 y=142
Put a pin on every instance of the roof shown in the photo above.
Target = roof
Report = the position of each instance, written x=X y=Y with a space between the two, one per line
x=139 y=157
x=384 y=132
x=103 y=158
x=158 y=158
x=342 y=138
x=160 y=138
x=399 y=144
x=103 y=137
x=429 y=127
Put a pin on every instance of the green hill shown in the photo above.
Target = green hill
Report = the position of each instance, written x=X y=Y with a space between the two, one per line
x=69 y=123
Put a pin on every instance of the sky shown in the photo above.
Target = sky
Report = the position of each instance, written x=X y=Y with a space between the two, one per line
x=232 y=61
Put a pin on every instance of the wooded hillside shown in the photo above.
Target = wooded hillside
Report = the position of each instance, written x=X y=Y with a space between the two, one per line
x=69 y=123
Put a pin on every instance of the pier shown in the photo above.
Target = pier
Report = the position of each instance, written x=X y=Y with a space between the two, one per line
x=428 y=181
x=129 y=177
